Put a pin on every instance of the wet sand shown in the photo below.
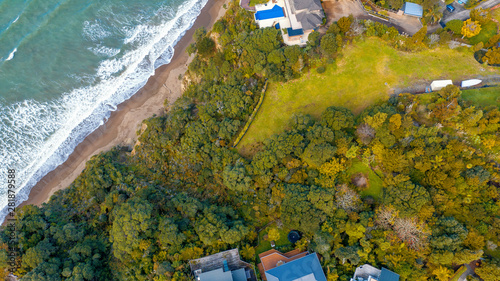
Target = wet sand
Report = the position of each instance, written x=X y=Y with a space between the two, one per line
x=121 y=127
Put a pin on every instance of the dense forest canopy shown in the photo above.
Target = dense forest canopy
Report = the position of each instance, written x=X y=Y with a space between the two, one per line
x=410 y=184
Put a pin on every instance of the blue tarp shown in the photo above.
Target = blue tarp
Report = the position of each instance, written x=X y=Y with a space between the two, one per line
x=275 y=12
x=413 y=9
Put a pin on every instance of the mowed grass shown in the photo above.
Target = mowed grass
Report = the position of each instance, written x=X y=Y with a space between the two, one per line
x=265 y=245
x=487 y=31
x=367 y=74
x=375 y=183
x=483 y=96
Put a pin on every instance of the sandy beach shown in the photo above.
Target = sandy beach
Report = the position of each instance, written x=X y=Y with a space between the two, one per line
x=121 y=127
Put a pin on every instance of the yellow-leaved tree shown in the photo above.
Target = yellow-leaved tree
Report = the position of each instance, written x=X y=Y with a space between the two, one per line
x=471 y=28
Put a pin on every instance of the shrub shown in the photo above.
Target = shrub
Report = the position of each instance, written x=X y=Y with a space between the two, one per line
x=206 y=46
x=455 y=26
x=321 y=69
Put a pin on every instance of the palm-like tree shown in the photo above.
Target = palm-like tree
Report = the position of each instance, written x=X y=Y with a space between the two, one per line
x=434 y=14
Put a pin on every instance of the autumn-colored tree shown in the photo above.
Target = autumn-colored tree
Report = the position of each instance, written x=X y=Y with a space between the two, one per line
x=442 y=273
x=344 y=24
x=471 y=28
x=273 y=234
x=492 y=56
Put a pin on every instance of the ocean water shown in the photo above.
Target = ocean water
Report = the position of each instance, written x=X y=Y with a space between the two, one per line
x=64 y=67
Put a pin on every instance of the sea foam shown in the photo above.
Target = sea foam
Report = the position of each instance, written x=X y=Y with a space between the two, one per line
x=11 y=55
x=36 y=137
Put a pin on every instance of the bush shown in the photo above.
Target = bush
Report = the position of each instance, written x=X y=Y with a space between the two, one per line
x=455 y=26
x=206 y=46
x=321 y=69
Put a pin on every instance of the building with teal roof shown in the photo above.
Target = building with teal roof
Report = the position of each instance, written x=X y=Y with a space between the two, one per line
x=306 y=268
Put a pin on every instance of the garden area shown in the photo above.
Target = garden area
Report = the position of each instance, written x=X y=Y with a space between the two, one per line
x=488 y=30
x=273 y=233
x=367 y=73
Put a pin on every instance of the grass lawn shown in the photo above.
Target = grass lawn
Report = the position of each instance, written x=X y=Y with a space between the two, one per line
x=265 y=245
x=367 y=73
x=375 y=182
x=495 y=14
x=459 y=272
x=483 y=96
x=255 y=2
x=487 y=31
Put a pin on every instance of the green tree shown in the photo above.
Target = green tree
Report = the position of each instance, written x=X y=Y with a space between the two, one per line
x=205 y=46
x=313 y=39
x=170 y=234
x=317 y=153
x=236 y=178
x=277 y=57
x=132 y=224
x=344 y=24
x=349 y=254
x=337 y=118
x=489 y=270
x=455 y=26
x=329 y=44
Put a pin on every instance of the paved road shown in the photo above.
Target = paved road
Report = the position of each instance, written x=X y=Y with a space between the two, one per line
x=464 y=275
x=462 y=14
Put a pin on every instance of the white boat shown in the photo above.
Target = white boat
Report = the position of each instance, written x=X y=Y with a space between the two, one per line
x=437 y=85
x=470 y=83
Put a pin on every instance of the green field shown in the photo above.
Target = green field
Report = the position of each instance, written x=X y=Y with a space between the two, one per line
x=487 y=31
x=367 y=73
x=483 y=96
x=375 y=182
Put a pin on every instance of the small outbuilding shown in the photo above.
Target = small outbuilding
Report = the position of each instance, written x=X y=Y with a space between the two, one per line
x=413 y=9
x=437 y=85
x=470 y=83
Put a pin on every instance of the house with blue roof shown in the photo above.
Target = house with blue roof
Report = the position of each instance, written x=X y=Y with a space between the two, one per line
x=296 y=18
x=413 y=9
x=292 y=266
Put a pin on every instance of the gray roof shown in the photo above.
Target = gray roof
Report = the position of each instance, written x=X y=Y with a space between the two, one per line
x=239 y=275
x=387 y=275
x=308 y=12
x=310 y=20
x=216 y=275
x=311 y=5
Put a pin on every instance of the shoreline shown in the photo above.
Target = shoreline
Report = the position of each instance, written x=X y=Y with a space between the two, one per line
x=121 y=127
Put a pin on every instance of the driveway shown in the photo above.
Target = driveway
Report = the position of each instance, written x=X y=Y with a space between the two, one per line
x=408 y=23
x=461 y=13
x=335 y=9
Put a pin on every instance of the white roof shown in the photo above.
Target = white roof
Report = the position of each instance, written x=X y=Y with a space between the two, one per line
x=439 y=84
x=470 y=83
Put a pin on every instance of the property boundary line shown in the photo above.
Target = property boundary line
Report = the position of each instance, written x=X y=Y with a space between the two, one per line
x=252 y=116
